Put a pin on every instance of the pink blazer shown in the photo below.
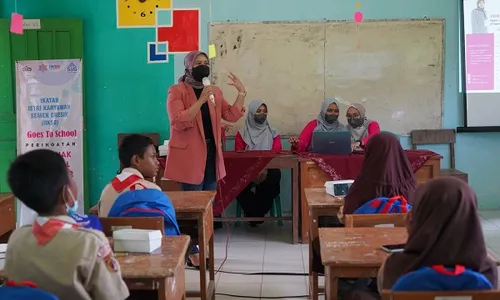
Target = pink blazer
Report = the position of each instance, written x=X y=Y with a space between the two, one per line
x=187 y=153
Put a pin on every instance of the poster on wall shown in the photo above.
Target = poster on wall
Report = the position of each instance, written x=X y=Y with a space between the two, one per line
x=50 y=116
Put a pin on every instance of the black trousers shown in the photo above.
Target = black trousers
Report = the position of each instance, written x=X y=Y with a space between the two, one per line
x=257 y=204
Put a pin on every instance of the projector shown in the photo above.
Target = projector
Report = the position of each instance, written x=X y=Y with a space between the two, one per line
x=338 y=188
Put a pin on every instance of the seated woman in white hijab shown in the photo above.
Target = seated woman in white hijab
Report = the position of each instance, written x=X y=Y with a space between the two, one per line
x=327 y=121
x=257 y=198
x=360 y=127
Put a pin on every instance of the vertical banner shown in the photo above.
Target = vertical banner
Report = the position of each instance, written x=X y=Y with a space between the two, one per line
x=50 y=116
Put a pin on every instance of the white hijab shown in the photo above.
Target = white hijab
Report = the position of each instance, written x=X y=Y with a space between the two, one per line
x=257 y=136
x=361 y=131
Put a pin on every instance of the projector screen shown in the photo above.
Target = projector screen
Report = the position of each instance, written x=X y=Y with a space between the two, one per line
x=481 y=30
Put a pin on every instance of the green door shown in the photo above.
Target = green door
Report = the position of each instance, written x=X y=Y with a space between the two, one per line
x=57 y=39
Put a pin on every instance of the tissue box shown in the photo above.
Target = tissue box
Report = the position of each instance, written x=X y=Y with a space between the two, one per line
x=136 y=240
x=163 y=149
x=338 y=187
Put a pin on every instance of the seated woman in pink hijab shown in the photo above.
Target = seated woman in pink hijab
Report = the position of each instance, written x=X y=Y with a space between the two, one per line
x=327 y=121
x=359 y=126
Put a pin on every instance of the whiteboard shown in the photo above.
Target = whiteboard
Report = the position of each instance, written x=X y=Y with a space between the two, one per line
x=393 y=67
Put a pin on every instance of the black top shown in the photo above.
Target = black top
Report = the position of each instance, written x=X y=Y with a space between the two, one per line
x=205 y=116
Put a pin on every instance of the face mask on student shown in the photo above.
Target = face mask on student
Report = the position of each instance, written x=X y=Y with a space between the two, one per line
x=355 y=122
x=200 y=72
x=260 y=118
x=72 y=210
x=331 y=118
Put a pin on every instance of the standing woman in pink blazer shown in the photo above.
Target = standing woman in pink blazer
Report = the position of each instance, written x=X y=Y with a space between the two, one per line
x=195 y=149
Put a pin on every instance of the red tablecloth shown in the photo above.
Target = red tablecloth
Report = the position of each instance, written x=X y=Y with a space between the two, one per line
x=243 y=167
x=341 y=167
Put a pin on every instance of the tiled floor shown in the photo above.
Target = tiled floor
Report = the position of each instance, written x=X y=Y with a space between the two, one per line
x=268 y=248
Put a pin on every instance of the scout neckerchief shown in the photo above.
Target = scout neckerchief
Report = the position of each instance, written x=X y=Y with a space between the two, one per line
x=125 y=180
x=45 y=229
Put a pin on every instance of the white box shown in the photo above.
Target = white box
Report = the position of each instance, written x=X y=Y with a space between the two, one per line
x=136 y=240
x=163 y=149
x=338 y=188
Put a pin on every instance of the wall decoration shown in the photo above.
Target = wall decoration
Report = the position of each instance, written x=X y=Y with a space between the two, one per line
x=177 y=32
x=139 y=13
x=183 y=32
x=157 y=52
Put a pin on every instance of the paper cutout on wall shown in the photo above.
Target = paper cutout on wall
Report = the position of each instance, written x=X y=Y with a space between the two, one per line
x=183 y=34
x=157 y=52
x=139 y=14
x=177 y=31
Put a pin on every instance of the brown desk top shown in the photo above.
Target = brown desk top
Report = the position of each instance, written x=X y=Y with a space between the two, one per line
x=318 y=198
x=358 y=247
x=161 y=263
x=5 y=196
x=189 y=202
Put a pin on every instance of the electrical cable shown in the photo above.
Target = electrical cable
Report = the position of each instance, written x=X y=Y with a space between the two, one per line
x=259 y=273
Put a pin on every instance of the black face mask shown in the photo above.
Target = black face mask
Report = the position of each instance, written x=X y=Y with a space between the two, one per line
x=330 y=119
x=260 y=118
x=200 y=72
x=355 y=122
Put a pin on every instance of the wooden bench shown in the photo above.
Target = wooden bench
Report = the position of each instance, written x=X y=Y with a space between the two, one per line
x=373 y=220
x=439 y=136
x=462 y=295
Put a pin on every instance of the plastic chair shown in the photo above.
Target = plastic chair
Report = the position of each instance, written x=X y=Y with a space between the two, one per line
x=275 y=211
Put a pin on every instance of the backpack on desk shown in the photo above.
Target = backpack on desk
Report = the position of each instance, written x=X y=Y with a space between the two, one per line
x=24 y=291
x=384 y=205
x=146 y=203
x=439 y=278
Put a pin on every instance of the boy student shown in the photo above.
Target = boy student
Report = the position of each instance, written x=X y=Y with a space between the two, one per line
x=138 y=159
x=54 y=253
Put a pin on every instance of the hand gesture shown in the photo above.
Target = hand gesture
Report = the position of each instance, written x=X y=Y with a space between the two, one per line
x=235 y=81
x=261 y=177
x=226 y=127
x=355 y=146
x=205 y=94
x=294 y=141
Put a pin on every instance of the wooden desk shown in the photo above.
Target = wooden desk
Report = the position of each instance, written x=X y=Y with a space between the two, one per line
x=7 y=216
x=197 y=206
x=162 y=270
x=311 y=176
x=354 y=253
x=320 y=204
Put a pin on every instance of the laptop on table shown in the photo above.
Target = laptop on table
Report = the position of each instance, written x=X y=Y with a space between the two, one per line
x=331 y=142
